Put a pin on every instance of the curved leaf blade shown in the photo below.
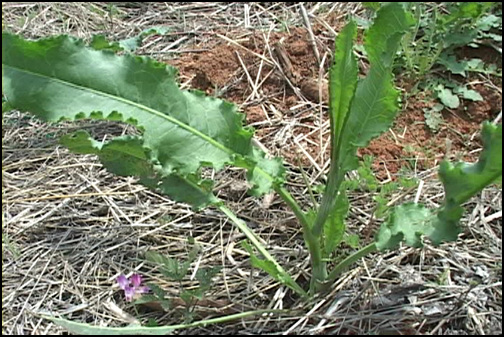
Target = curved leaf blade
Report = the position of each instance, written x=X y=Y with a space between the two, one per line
x=376 y=100
x=462 y=180
x=342 y=80
x=382 y=39
x=342 y=84
x=59 y=78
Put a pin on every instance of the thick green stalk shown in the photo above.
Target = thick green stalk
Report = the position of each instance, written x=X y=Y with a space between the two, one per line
x=289 y=199
x=319 y=272
x=314 y=235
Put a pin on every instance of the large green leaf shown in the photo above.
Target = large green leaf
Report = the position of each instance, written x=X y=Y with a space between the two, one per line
x=59 y=78
x=462 y=181
x=182 y=131
x=375 y=104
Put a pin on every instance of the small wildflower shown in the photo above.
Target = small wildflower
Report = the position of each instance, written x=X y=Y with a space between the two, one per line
x=132 y=286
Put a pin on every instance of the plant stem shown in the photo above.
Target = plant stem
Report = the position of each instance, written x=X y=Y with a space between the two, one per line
x=292 y=203
x=350 y=260
x=328 y=200
x=87 y=329
x=242 y=226
x=319 y=272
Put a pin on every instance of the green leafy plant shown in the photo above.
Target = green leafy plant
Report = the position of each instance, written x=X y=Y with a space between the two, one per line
x=442 y=27
x=176 y=270
x=450 y=95
x=431 y=45
x=463 y=67
x=184 y=132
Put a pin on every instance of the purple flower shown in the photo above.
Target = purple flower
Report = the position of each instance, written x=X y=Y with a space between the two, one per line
x=132 y=286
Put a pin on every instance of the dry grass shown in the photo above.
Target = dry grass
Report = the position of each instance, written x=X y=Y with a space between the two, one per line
x=69 y=228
